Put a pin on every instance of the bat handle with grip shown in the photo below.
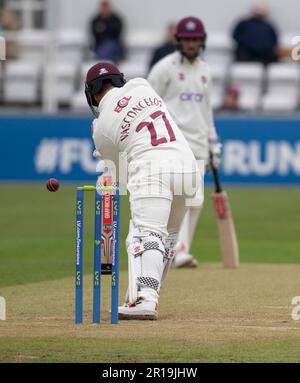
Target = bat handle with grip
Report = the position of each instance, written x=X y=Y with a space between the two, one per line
x=218 y=188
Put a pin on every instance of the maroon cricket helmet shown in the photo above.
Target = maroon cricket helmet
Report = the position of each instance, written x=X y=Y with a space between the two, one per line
x=97 y=75
x=190 y=27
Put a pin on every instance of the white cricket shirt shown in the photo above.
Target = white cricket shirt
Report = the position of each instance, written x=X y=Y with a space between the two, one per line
x=134 y=119
x=186 y=88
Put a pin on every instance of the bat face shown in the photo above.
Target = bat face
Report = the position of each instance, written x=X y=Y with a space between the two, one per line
x=227 y=234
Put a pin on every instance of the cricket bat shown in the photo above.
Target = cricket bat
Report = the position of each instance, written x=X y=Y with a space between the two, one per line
x=107 y=227
x=227 y=234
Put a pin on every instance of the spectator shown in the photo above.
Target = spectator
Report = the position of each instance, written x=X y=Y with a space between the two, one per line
x=106 y=29
x=166 y=48
x=9 y=23
x=231 y=100
x=255 y=37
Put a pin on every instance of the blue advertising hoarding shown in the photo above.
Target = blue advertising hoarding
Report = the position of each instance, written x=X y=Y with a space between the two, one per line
x=255 y=150
x=260 y=150
x=37 y=148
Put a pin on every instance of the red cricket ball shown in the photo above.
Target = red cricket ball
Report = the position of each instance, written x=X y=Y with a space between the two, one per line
x=52 y=184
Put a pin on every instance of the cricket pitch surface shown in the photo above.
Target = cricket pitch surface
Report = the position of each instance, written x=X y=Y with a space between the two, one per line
x=209 y=314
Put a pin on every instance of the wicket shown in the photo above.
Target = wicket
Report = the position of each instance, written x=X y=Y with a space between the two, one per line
x=106 y=247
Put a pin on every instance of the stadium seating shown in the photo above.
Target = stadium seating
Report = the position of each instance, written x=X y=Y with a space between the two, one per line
x=71 y=46
x=219 y=78
x=248 y=78
x=133 y=68
x=21 y=82
x=60 y=79
x=29 y=79
x=139 y=47
x=218 y=49
x=1 y=83
x=78 y=101
x=283 y=88
x=33 y=45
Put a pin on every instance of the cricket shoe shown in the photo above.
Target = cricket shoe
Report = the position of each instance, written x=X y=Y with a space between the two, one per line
x=182 y=257
x=194 y=263
x=184 y=260
x=140 y=310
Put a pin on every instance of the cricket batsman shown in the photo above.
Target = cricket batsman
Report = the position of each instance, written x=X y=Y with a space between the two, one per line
x=182 y=79
x=162 y=172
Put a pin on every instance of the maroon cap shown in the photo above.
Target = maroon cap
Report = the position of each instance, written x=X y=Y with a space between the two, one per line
x=101 y=69
x=190 y=27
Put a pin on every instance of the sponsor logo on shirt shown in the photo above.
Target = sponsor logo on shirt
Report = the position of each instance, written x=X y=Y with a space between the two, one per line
x=191 y=96
x=121 y=104
x=204 y=79
x=181 y=77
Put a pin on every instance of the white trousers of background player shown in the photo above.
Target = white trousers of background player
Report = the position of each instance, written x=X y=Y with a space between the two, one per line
x=186 y=234
x=187 y=228
x=158 y=205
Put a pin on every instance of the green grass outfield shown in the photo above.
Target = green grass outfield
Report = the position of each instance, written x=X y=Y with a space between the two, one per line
x=37 y=230
x=206 y=315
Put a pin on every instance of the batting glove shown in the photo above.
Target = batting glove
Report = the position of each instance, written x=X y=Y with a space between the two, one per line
x=215 y=149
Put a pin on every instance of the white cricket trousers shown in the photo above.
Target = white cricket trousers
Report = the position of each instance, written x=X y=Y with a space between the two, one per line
x=158 y=202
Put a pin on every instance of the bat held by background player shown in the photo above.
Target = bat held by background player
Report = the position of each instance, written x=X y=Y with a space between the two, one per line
x=227 y=233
